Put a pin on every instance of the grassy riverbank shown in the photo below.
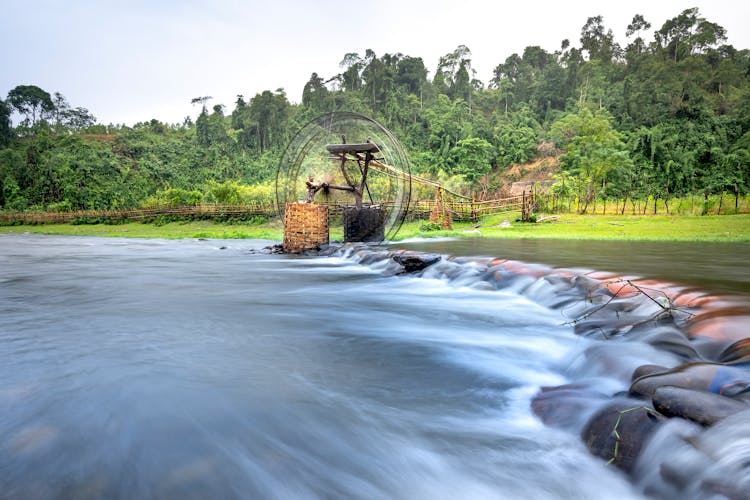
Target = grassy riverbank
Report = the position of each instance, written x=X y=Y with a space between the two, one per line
x=568 y=226
x=613 y=227
x=173 y=230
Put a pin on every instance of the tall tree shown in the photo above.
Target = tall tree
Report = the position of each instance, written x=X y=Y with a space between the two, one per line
x=314 y=93
x=5 y=129
x=411 y=74
x=599 y=44
x=351 y=77
x=635 y=27
x=454 y=74
x=270 y=111
x=31 y=101
x=202 y=128
x=687 y=34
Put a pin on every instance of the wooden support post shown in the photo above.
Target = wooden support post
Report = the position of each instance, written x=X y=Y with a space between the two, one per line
x=473 y=209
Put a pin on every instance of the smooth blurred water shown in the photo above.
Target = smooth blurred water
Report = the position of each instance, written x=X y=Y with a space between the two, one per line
x=196 y=369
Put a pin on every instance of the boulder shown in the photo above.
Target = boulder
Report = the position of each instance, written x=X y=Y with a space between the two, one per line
x=274 y=249
x=644 y=370
x=328 y=250
x=414 y=262
x=566 y=406
x=684 y=460
x=713 y=377
x=703 y=407
x=667 y=338
x=372 y=257
x=619 y=430
x=739 y=352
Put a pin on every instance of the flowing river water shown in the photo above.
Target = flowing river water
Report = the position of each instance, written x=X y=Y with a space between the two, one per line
x=200 y=369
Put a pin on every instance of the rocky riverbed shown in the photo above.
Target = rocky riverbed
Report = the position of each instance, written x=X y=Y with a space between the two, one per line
x=682 y=430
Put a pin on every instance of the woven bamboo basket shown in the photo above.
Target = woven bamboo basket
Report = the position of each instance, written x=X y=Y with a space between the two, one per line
x=305 y=227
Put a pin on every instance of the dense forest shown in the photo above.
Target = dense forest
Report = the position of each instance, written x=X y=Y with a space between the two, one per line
x=659 y=118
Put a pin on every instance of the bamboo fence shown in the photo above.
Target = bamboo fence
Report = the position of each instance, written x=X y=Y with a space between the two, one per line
x=459 y=209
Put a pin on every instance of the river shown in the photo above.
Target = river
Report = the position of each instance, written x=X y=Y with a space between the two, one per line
x=199 y=369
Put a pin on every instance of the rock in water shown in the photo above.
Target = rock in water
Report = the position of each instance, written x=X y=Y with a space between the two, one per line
x=644 y=370
x=618 y=431
x=684 y=460
x=328 y=250
x=713 y=377
x=413 y=262
x=566 y=406
x=739 y=352
x=275 y=249
x=702 y=407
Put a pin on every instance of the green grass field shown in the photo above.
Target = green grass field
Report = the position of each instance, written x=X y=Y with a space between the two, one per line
x=594 y=227
x=172 y=230
x=628 y=227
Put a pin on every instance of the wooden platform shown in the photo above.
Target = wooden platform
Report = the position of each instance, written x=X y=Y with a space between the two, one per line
x=366 y=147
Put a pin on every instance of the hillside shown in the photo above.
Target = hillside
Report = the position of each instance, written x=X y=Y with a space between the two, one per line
x=513 y=180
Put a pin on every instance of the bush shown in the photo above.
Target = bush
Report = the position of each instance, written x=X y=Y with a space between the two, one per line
x=532 y=218
x=176 y=197
x=61 y=206
x=430 y=226
x=226 y=193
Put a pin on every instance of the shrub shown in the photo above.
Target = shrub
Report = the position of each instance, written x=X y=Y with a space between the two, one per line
x=430 y=226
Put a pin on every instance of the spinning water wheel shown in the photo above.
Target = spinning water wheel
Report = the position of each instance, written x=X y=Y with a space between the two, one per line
x=362 y=187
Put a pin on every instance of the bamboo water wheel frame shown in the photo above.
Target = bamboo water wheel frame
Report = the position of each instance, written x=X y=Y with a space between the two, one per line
x=319 y=167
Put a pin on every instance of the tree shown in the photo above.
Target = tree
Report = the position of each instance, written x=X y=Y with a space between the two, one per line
x=5 y=129
x=269 y=111
x=411 y=74
x=599 y=44
x=507 y=78
x=240 y=112
x=31 y=101
x=687 y=34
x=351 y=78
x=516 y=137
x=61 y=106
x=201 y=100
x=202 y=133
x=454 y=73
x=592 y=148
x=635 y=27
x=446 y=122
x=217 y=127
x=471 y=157
x=535 y=78
x=79 y=118
x=378 y=75
x=314 y=93
x=66 y=117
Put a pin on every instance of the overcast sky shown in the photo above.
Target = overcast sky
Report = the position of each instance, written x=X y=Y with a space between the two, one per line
x=134 y=60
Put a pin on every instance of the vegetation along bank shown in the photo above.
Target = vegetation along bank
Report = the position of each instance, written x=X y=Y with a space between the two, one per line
x=658 y=124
